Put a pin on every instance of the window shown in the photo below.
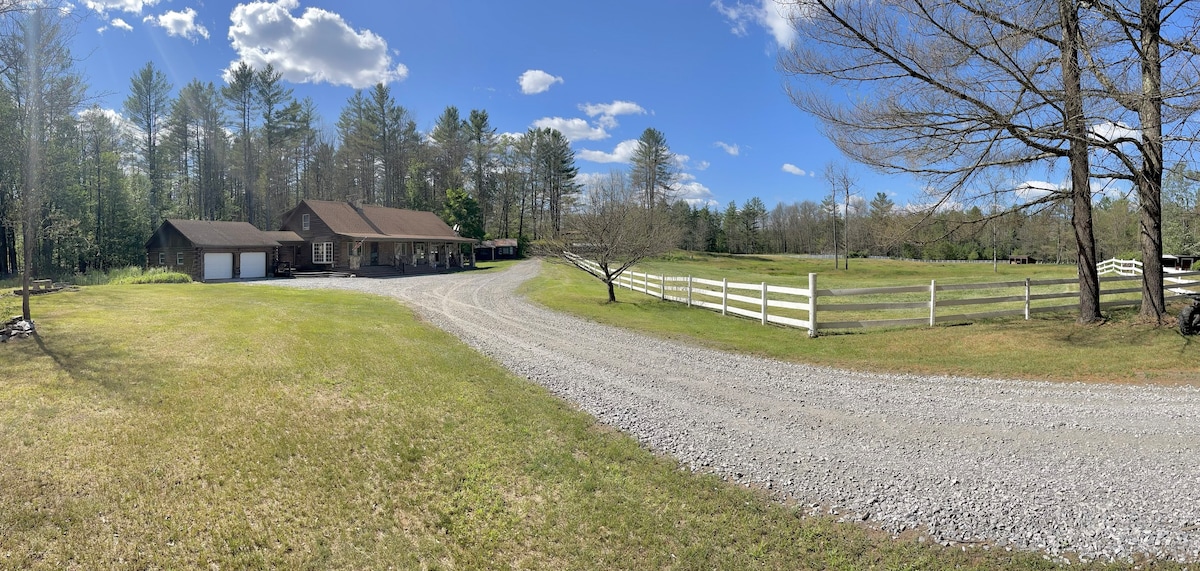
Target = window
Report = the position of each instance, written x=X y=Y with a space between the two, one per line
x=322 y=252
x=162 y=258
x=304 y=223
x=179 y=259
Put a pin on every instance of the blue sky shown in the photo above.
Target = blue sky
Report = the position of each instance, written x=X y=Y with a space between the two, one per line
x=599 y=71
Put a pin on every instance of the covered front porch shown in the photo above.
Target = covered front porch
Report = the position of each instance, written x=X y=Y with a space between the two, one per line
x=408 y=254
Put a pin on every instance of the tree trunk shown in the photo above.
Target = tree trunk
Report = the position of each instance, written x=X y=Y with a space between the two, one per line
x=1149 y=180
x=1081 y=191
x=612 y=294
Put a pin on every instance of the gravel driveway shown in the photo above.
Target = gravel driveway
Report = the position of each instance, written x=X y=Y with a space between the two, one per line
x=1094 y=470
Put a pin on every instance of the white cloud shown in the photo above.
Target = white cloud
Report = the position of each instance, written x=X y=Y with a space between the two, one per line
x=695 y=193
x=793 y=169
x=121 y=24
x=125 y=126
x=1035 y=189
x=614 y=108
x=608 y=111
x=112 y=114
x=573 y=129
x=537 y=81
x=769 y=14
x=179 y=24
x=317 y=47
x=728 y=148
x=702 y=165
x=103 y=7
x=1109 y=131
x=623 y=153
x=590 y=180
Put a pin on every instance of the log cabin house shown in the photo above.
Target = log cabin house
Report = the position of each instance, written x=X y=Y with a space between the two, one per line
x=348 y=236
x=315 y=235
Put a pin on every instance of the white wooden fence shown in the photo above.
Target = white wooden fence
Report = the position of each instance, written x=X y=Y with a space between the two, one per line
x=1120 y=267
x=815 y=309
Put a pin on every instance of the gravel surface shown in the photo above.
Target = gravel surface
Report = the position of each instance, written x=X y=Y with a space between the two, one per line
x=1089 y=471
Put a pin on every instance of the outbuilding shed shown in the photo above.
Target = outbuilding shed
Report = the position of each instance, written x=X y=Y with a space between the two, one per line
x=498 y=249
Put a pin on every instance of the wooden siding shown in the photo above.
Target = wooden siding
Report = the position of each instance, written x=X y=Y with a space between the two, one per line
x=318 y=231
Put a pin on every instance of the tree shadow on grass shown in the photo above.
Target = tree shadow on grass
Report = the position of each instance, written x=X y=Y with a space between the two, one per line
x=90 y=360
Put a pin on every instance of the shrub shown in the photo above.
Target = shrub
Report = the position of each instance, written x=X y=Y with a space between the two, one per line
x=132 y=275
x=150 y=276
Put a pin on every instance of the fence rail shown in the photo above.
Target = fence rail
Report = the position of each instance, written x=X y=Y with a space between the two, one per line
x=1120 y=267
x=851 y=308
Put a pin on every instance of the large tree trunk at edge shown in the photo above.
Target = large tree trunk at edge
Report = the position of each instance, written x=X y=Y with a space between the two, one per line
x=1081 y=191
x=1149 y=180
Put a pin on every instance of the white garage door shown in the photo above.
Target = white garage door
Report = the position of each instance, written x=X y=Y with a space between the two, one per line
x=254 y=264
x=218 y=266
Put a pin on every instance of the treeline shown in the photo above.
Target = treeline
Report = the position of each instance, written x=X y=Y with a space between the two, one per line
x=881 y=228
x=91 y=185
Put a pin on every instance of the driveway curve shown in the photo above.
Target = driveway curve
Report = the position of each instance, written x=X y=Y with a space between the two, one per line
x=1094 y=471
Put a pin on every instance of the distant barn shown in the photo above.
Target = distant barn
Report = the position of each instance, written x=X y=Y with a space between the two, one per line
x=498 y=249
x=1022 y=260
x=1179 y=263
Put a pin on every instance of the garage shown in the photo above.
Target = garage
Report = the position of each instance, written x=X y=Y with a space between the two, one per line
x=254 y=264
x=213 y=250
x=218 y=266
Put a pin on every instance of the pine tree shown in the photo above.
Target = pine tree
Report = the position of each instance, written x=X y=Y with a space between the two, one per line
x=653 y=173
x=147 y=106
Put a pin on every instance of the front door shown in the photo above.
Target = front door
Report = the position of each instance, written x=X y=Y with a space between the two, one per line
x=374 y=253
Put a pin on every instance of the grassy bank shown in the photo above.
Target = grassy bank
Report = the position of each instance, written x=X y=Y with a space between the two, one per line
x=1047 y=347
x=229 y=426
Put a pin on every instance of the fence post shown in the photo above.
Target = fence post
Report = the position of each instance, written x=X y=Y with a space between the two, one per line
x=812 y=305
x=764 y=303
x=1026 y=299
x=689 y=286
x=724 y=295
x=932 y=302
x=662 y=281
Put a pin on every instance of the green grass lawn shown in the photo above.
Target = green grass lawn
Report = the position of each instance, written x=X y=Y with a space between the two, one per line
x=227 y=426
x=1049 y=346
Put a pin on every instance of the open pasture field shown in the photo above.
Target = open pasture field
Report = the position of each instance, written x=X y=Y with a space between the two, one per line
x=1048 y=346
x=794 y=270
x=233 y=427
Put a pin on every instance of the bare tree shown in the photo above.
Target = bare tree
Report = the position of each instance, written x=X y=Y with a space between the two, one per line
x=952 y=89
x=841 y=181
x=1140 y=53
x=611 y=232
